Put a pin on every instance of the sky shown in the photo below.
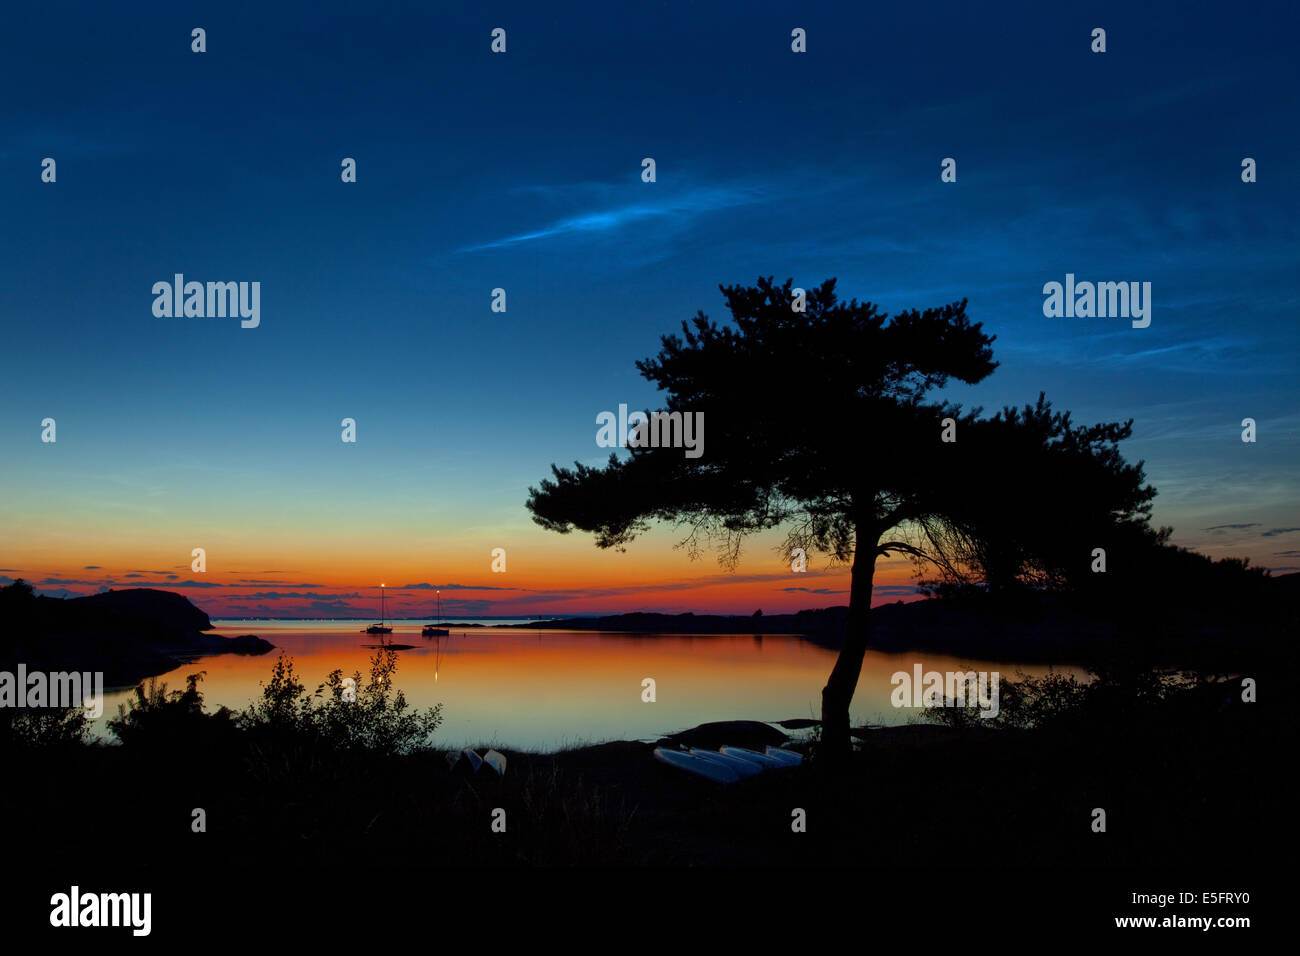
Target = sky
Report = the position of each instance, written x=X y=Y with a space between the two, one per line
x=522 y=170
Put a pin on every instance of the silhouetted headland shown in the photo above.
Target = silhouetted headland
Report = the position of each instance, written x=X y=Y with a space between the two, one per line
x=128 y=634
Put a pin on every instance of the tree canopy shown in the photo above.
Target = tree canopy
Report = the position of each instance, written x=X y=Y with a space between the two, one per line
x=821 y=422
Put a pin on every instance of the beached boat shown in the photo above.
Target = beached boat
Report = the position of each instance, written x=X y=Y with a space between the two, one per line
x=746 y=768
x=464 y=761
x=495 y=760
x=708 y=769
x=754 y=756
x=467 y=761
x=788 y=757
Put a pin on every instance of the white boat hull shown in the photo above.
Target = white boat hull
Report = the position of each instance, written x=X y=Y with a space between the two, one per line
x=698 y=766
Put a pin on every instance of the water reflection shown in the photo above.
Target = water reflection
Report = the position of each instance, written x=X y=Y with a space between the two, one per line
x=540 y=690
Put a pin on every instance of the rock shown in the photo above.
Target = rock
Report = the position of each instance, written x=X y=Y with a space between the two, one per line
x=735 y=733
x=798 y=723
x=243 y=644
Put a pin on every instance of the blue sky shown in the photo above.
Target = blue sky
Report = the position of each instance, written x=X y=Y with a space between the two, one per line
x=522 y=171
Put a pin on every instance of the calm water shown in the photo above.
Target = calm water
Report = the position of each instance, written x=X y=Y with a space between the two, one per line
x=542 y=690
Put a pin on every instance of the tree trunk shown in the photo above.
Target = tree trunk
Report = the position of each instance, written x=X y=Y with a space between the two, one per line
x=838 y=692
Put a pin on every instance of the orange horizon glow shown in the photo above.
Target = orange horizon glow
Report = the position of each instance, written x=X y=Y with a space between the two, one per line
x=546 y=576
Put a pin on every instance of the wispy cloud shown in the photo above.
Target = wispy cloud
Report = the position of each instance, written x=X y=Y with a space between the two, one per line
x=255 y=583
x=108 y=582
x=449 y=587
x=680 y=206
x=295 y=595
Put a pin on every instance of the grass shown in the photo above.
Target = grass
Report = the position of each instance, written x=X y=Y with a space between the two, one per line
x=1178 y=772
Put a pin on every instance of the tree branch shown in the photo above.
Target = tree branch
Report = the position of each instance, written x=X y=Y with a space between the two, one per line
x=887 y=546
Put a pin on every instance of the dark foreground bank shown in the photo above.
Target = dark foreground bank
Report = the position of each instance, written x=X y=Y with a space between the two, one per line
x=1181 y=780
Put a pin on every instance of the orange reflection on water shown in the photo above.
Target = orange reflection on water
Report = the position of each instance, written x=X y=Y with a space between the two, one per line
x=542 y=690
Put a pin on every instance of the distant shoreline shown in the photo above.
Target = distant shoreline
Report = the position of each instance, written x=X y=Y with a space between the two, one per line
x=1041 y=630
x=131 y=634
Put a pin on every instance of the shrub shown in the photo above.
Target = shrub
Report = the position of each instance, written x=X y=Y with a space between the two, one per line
x=30 y=728
x=377 y=720
x=154 y=717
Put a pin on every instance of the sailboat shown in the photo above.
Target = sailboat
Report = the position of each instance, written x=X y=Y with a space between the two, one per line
x=381 y=627
x=430 y=630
